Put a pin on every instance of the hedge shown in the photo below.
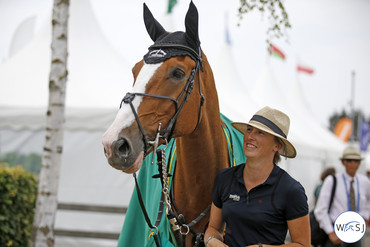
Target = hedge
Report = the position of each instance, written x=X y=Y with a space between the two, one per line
x=18 y=191
x=30 y=162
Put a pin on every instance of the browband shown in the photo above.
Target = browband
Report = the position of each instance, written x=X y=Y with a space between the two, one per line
x=178 y=46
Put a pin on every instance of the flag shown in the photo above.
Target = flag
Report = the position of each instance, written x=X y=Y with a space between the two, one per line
x=364 y=135
x=274 y=51
x=227 y=36
x=171 y=3
x=343 y=129
x=227 y=32
x=304 y=69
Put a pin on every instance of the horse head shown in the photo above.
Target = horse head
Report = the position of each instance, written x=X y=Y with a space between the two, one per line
x=162 y=103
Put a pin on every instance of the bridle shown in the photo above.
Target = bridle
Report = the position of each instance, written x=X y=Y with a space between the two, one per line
x=167 y=132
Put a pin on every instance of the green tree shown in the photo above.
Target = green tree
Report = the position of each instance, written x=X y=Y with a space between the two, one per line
x=276 y=13
x=30 y=162
x=18 y=190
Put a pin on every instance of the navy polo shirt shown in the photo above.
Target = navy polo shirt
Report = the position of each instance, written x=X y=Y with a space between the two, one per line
x=260 y=215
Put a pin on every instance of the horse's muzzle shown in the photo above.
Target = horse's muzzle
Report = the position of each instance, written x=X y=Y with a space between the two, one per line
x=125 y=155
x=122 y=148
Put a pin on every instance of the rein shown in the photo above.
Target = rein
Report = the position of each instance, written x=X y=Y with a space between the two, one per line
x=154 y=234
x=168 y=131
x=178 y=223
x=165 y=200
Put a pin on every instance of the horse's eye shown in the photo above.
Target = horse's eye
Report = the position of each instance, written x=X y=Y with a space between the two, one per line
x=178 y=74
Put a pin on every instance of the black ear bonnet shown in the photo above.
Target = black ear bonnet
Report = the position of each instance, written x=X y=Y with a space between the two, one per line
x=167 y=45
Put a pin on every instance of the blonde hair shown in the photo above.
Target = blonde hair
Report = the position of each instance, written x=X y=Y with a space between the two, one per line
x=277 y=156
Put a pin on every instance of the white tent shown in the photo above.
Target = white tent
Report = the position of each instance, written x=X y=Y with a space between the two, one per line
x=98 y=78
x=235 y=102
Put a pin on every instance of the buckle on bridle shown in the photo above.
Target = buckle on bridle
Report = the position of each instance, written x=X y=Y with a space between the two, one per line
x=154 y=143
x=129 y=97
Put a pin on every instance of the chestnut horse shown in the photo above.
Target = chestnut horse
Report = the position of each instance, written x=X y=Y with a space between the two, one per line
x=174 y=96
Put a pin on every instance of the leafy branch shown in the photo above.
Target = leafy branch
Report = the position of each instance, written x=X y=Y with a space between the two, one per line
x=277 y=15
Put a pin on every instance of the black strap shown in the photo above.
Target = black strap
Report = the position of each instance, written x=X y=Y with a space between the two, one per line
x=202 y=99
x=202 y=214
x=160 y=210
x=181 y=219
x=155 y=236
x=332 y=192
x=128 y=99
x=176 y=231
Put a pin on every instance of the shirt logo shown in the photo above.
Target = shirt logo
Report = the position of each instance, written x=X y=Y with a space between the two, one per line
x=234 y=197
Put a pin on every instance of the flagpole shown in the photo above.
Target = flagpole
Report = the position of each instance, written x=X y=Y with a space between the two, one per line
x=352 y=105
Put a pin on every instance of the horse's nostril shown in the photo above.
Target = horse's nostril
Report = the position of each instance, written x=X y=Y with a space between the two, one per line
x=123 y=147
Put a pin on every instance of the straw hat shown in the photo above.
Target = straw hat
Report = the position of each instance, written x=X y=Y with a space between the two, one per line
x=351 y=153
x=274 y=122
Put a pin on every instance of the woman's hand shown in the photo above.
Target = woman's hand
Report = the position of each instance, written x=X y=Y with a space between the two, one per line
x=213 y=236
x=214 y=242
x=334 y=239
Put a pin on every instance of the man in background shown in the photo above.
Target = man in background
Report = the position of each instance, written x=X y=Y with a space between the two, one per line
x=352 y=194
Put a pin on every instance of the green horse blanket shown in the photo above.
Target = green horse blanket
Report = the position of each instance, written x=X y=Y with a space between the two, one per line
x=135 y=231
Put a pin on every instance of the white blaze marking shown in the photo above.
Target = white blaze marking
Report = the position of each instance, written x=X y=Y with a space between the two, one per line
x=125 y=116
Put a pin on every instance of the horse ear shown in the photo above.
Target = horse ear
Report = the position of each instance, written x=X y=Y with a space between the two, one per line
x=153 y=27
x=191 y=25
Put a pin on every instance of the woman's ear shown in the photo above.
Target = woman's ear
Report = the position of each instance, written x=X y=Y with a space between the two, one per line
x=278 y=144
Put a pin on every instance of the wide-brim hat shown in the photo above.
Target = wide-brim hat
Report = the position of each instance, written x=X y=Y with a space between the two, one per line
x=351 y=153
x=273 y=122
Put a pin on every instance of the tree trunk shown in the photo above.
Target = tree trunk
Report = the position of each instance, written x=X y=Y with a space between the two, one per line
x=46 y=205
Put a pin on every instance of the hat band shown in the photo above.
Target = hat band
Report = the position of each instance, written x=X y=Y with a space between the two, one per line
x=354 y=154
x=350 y=156
x=269 y=124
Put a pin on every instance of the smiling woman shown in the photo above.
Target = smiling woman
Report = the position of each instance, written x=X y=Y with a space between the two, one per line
x=252 y=199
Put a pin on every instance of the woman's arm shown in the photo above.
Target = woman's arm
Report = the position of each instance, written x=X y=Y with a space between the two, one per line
x=216 y=226
x=300 y=232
